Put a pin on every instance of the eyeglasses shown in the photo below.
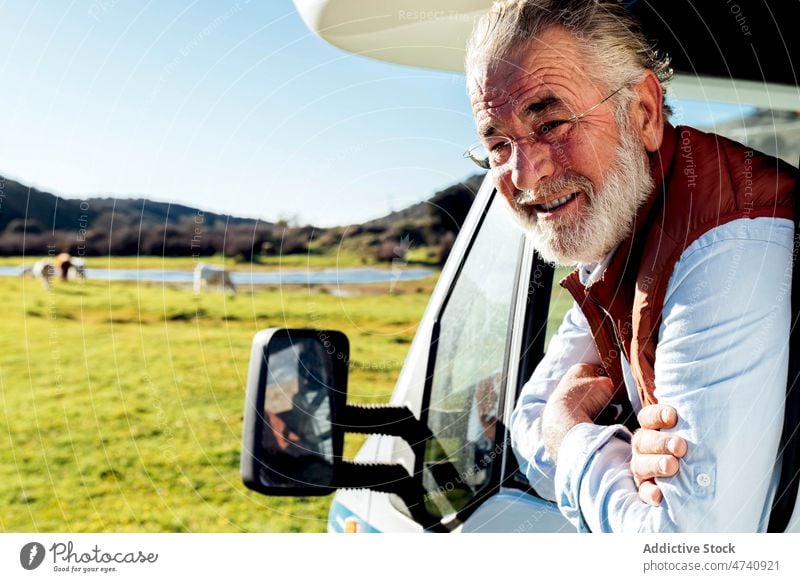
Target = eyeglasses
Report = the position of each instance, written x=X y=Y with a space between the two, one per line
x=553 y=130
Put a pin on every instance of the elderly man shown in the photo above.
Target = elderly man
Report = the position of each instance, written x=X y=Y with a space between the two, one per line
x=683 y=242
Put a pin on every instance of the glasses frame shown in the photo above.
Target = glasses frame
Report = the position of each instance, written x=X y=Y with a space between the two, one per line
x=533 y=136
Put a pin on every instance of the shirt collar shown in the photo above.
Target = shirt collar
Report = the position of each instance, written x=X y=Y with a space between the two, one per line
x=591 y=273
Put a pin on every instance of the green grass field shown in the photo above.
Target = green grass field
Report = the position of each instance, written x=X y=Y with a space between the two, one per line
x=122 y=402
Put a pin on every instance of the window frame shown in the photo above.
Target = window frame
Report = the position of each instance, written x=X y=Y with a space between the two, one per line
x=501 y=441
x=532 y=345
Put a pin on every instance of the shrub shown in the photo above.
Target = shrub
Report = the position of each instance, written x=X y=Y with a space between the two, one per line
x=391 y=250
x=446 y=246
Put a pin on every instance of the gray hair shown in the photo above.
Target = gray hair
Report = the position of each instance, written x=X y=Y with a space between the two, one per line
x=615 y=48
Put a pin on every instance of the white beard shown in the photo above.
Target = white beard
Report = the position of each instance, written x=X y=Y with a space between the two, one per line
x=606 y=216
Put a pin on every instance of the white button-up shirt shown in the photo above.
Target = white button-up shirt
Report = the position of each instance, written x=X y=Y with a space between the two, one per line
x=721 y=361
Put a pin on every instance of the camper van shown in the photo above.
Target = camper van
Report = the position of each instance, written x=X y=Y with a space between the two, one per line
x=438 y=456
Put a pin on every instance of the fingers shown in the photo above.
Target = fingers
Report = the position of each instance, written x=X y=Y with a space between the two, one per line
x=646 y=467
x=650 y=493
x=655 y=454
x=658 y=416
x=653 y=442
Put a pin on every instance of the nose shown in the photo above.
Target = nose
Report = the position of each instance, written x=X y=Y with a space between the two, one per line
x=530 y=164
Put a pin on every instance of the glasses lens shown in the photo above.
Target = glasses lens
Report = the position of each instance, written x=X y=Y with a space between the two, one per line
x=479 y=155
x=554 y=131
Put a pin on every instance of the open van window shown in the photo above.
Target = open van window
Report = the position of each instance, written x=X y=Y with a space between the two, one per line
x=468 y=359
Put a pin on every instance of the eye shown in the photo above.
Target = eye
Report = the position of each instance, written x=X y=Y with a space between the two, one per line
x=499 y=145
x=554 y=128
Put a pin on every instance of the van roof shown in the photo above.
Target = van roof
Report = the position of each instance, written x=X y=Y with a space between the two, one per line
x=737 y=51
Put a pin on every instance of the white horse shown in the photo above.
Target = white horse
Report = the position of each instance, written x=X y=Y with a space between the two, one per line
x=44 y=270
x=207 y=275
x=77 y=269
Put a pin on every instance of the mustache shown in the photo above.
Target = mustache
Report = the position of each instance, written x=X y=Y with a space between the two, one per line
x=567 y=183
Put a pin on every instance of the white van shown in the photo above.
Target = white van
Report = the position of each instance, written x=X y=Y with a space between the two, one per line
x=438 y=457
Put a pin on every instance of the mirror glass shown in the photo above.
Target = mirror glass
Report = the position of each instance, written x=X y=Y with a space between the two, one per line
x=297 y=440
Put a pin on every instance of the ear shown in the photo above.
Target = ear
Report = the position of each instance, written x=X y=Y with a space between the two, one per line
x=647 y=113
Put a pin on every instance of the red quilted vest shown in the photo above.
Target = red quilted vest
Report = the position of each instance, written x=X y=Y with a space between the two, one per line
x=702 y=181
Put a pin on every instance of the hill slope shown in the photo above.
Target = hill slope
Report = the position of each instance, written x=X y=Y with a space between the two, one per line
x=35 y=222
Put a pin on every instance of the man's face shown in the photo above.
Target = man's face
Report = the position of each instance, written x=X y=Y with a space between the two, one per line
x=577 y=198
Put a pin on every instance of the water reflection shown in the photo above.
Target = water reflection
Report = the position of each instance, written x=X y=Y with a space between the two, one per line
x=297 y=277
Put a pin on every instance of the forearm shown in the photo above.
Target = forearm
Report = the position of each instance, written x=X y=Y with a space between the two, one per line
x=572 y=344
x=722 y=484
x=721 y=363
x=528 y=443
x=595 y=486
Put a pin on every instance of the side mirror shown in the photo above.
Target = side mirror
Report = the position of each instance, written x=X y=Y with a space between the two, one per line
x=296 y=415
x=296 y=383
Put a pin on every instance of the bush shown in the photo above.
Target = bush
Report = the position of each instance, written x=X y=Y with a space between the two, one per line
x=293 y=241
x=246 y=242
x=391 y=250
x=11 y=243
x=409 y=233
x=446 y=246
x=29 y=226
x=167 y=241
x=449 y=208
x=124 y=241
x=241 y=246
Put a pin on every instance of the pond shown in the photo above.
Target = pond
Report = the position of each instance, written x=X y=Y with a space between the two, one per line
x=284 y=277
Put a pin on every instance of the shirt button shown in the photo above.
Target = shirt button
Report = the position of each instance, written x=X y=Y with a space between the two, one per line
x=703 y=480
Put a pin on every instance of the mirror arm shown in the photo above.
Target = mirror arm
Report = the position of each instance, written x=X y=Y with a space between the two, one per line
x=388 y=478
x=396 y=421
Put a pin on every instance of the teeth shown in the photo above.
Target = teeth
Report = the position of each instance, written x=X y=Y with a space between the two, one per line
x=556 y=203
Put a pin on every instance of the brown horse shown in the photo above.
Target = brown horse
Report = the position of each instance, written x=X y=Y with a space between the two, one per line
x=63 y=264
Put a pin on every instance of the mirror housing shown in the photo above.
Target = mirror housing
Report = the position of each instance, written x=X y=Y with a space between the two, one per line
x=296 y=384
x=296 y=415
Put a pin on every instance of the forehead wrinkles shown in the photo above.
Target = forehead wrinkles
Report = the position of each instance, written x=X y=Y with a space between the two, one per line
x=553 y=64
x=503 y=91
x=509 y=100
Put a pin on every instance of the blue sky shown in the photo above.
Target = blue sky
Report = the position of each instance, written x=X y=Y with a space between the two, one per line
x=228 y=106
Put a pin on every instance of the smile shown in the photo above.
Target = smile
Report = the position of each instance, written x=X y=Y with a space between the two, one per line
x=556 y=204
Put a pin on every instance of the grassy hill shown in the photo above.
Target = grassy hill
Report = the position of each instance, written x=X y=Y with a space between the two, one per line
x=46 y=211
x=32 y=222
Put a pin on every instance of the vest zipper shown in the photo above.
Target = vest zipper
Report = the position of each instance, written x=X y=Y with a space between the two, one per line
x=617 y=339
x=577 y=290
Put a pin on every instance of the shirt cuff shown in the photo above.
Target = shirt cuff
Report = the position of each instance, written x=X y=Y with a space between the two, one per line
x=577 y=449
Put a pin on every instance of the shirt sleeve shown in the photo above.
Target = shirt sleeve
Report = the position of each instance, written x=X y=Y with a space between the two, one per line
x=571 y=345
x=721 y=361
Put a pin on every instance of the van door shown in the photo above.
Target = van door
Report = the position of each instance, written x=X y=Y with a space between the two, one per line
x=468 y=367
x=489 y=334
x=480 y=339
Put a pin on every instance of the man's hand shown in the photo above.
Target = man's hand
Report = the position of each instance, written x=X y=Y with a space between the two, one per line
x=579 y=397
x=655 y=454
